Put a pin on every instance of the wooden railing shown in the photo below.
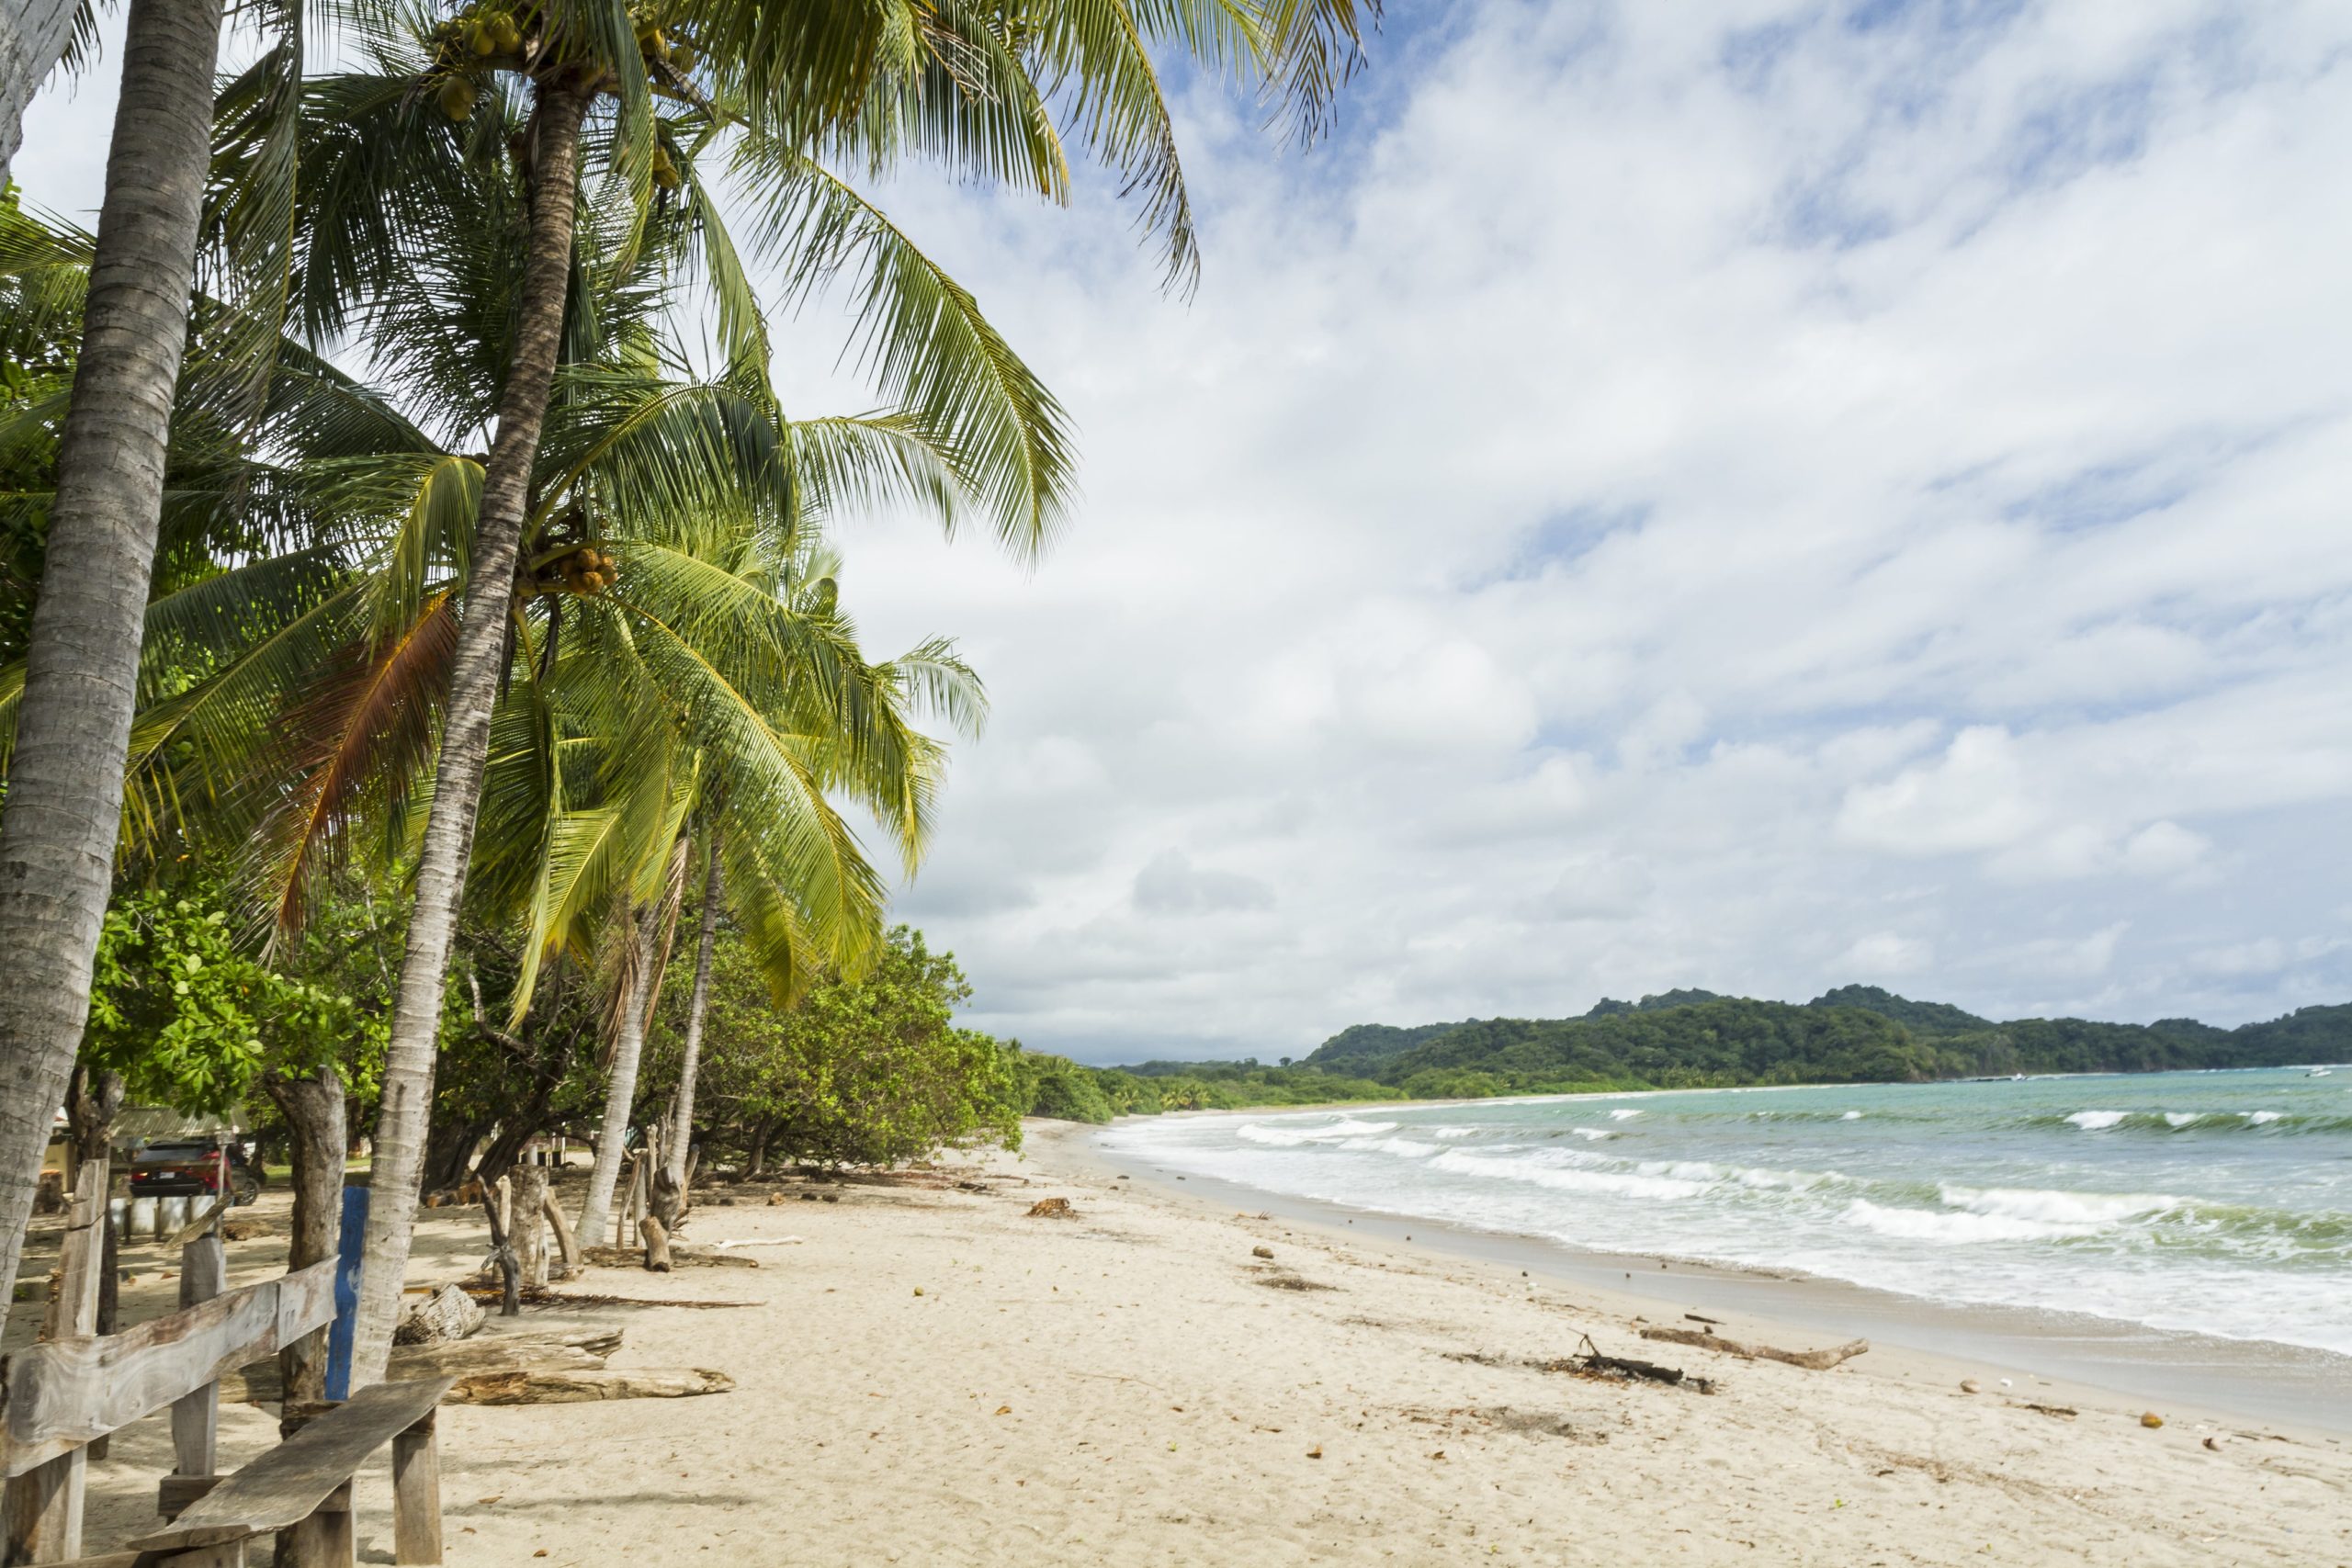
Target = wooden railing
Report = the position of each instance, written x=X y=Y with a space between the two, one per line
x=59 y=1396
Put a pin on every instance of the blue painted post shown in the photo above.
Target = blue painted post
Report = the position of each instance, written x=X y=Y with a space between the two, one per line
x=346 y=1292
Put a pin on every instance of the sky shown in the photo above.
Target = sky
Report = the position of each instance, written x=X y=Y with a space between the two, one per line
x=1740 y=495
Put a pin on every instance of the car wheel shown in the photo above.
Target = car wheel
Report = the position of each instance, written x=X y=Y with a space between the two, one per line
x=244 y=1187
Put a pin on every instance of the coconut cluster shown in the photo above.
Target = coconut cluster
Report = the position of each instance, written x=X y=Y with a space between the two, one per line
x=491 y=30
x=585 y=570
x=460 y=41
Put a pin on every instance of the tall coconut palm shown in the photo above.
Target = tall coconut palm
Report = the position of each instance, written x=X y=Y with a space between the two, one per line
x=806 y=76
x=692 y=687
x=57 y=843
x=57 y=835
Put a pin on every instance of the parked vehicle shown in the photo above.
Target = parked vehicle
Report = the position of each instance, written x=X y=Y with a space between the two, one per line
x=163 y=1166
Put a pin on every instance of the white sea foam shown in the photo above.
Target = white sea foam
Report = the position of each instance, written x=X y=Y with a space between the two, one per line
x=1945 y=1226
x=1565 y=1178
x=1594 y=1134
x=1405 y=1147
x=2093 y=1121
x=2182 y=1118
x=2085 y=1211
x=1282 y=1136
x=1623 y=1116
x=1851 y=1116
x=1453 y=1132
x=2260 y=1118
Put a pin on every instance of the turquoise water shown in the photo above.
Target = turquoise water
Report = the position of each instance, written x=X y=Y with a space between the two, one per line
x=2214 y=1202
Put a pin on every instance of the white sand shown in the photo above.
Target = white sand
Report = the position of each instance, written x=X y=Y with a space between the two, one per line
x=1125 y=1388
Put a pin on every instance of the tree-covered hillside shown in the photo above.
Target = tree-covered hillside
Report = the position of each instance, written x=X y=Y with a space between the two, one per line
x=1855 y=1033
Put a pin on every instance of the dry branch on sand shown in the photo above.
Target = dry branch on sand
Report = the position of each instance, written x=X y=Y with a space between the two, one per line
x=1811 y=1360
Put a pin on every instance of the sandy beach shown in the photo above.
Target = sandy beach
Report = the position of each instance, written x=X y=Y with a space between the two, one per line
x=932 y=1376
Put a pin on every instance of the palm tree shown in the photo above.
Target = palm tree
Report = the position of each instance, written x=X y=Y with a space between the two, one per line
x=73 y=714
x=57 y=836
x=783 y=81
x=719 y=666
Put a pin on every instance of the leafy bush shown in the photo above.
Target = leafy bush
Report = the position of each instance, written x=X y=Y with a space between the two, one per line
x=864 y=1072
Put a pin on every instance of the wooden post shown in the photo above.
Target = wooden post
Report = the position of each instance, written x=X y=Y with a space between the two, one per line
x=44 y=1504
x=416 y=1494
x=560 y=1224
x=657 y=1245
x=195 y=1417
x=328 y=1539
x=530 y=1225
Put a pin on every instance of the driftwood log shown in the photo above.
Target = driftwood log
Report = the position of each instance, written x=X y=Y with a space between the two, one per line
x=553 y=1350
x=588 y=1385
x=1811 y=1360
x=681 y=1256
x=448 y=1314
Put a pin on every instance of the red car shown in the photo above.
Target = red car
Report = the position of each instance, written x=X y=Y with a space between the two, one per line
x=193 y=1166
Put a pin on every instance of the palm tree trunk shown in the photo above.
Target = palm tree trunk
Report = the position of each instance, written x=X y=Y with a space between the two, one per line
x=407 y=1105
x=314 y=1110
x=65 y=804
x=33 y=41
x=682 y=1126
x=620 y=1088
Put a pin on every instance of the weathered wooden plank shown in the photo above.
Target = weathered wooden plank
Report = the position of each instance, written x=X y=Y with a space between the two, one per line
x=196 y=1416
x=305 y=1301
x=44 y=1507
x=59 y=1396
x=43 y=1500
x=297 y=1478
x=230 y=1556
x=416 y=1494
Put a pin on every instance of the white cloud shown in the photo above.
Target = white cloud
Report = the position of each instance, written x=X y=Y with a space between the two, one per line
x=1172 y=885
x=1676 y=494
x=1883 y=955
x=1595 y=887
x=1974 y=798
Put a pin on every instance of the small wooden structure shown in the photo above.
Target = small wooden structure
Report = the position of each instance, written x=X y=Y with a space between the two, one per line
x=60 y=1395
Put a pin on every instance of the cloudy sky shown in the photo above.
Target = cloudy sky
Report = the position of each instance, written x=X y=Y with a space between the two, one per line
x=1739 y=494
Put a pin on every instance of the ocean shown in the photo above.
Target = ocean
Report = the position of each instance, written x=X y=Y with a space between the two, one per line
x=2213 y=1204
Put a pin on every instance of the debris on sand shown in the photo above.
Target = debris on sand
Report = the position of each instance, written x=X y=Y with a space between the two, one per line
x=1052 y=1208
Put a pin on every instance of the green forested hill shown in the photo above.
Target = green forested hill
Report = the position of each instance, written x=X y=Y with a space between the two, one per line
x=1932 y=1017
x=1855 y=1033
x=1361 y=1047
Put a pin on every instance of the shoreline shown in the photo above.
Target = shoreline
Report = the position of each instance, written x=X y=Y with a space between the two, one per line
x=927 y=1370
x=2104 y=1361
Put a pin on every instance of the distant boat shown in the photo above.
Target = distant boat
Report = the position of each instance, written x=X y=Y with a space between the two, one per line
x=2320 y=1073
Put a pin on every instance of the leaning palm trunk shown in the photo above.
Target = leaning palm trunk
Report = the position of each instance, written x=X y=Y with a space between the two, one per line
x=33 y=34
x=407 y=1107
x=620 y=1088
x=682 y=1126
x=64 y=801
